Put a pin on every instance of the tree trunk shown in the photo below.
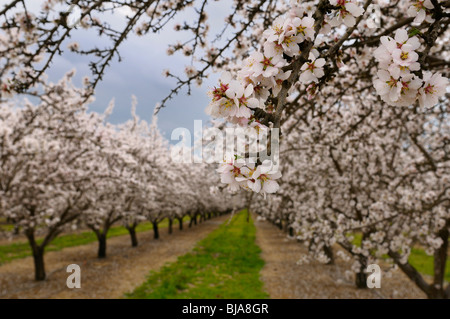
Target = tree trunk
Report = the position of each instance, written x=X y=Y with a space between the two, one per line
x=101 y=245
x=180 y=223
x=291 y=231
x=248 y=215
x=412 y=273
x=329 y=253
x=170 y=225
x=191 y=222
x=39 y=266
x=437 y=290
x=134 y=240
x=361 y=276
x=155 y=230
x=38 y=257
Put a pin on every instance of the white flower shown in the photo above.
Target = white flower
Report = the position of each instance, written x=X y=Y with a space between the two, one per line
x=263 y=179
x=276 y=82
x=170 y=51
x=397 y=91
x=388 y=87
x=247 y=70
x=408 y=93
x=275 y=30
x=166 y=73
x=74 y=46
x=273 y=49
x=231 y=99
x=304 y=27
x=285 y=35
x=221 y=105
x=241 y=97
x=326 y=26
x=266 y=66
x=383 y=56
x=190 y=71
x=404 y=56
x=398 y=55
x=313 y=70
x=289 y=38
x=7 y=90
x=398 y=70
x=187 y=50
x=230 y=173
x=434 y=87
x=420 y=9
x=347 y=13
x=401 y=38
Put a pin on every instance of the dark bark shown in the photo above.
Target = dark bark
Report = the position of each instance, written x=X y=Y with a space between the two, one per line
x=155 y=230
x=132 y=231
x=329 y=253
x=170 y=225
x=440 y=259
x=435 y=290
x=38 y=258
x=361 y=280
x=101 y=245
x=361 y=276
x=180 y=222
x=291 y=231
x=39 y=266
x=411 y=272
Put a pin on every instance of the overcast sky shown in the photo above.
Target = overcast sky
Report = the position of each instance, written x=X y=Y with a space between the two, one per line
x=140 y=73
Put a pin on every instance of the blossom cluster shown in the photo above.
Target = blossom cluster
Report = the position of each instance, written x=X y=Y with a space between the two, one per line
x=260 y=77
x=347 y=13
x=262 y=73
x=238 y=173
x=420 y=10
x=397 y=81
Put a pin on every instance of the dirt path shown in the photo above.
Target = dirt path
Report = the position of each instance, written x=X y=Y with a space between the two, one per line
x=124 y=269
x=285 y=279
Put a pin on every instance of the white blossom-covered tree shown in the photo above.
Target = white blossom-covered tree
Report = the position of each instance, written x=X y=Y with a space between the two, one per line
x=358 y=90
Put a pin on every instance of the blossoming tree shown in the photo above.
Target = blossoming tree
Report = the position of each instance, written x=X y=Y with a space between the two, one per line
x=358 y=90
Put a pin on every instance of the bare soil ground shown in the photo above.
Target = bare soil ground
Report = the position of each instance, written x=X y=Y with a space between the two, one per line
x=124 y=269
x=285 y=279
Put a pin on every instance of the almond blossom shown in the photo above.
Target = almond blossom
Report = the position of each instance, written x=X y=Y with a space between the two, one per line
x=231 y=173
x=267 y=66
x=434 y=87
x=396 y=84
x=388 y=87
x=304 y=28
x=262 y=180
x=420 y=10
x=347 y=12
x=313 y=70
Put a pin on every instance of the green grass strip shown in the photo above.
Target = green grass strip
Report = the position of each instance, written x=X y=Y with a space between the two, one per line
x=19 y=250
x=226 y=264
